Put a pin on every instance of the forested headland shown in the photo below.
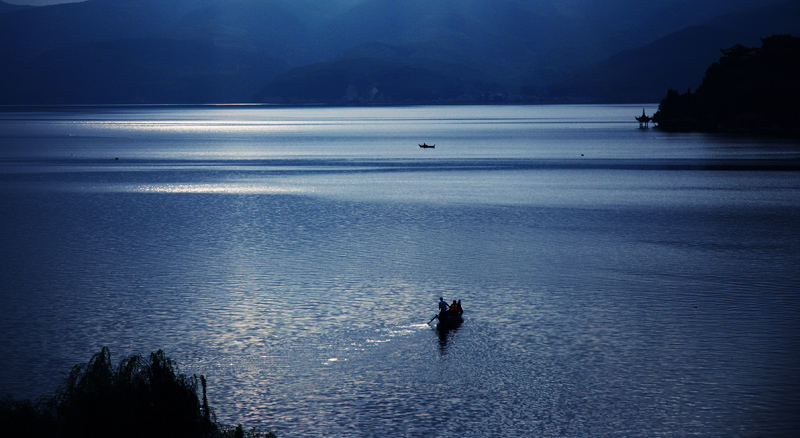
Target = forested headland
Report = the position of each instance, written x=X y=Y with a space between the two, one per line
x=750 y=89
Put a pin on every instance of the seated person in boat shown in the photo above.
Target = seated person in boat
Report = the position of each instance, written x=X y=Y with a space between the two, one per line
x=456 y=307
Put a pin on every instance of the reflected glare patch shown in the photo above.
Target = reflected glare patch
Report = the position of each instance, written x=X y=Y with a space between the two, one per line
x=234 y=188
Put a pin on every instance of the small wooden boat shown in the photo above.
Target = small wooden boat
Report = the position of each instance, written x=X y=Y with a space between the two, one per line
x=449 y=319
x=425 y=145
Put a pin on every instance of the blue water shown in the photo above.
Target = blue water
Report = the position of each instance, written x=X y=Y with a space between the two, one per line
x=617 y=282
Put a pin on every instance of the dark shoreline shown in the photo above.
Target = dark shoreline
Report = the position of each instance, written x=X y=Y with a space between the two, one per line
x=671 y=126
x=732 y=132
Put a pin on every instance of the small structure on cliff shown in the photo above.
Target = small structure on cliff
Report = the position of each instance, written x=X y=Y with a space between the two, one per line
x=644 y=120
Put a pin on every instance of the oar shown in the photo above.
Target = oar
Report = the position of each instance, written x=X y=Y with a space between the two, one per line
x=434 y=317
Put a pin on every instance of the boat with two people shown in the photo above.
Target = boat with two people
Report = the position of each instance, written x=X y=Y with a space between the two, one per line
x=449 y=315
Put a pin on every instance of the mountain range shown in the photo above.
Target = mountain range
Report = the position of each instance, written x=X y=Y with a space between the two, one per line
x=370 y=51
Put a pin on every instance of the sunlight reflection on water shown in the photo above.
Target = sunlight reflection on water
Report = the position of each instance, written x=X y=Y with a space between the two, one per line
x=239 y=189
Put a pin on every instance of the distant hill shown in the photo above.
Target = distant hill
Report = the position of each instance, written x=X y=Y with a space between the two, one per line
x=419 y=50
x=356 y=51
x=677 y=60
x=144 y=51
x=472 y=51
x=142 y=71
x=388 y=75
x=750 y=88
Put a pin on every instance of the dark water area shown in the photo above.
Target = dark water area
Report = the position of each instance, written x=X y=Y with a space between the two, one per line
x=616 y=281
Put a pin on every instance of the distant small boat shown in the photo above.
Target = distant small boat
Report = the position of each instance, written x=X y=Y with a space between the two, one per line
x=425 y=145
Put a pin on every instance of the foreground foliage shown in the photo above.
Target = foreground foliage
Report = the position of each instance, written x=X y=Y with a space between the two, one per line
x=138 y=398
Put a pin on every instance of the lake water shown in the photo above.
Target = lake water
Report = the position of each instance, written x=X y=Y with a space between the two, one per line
x=616 y=281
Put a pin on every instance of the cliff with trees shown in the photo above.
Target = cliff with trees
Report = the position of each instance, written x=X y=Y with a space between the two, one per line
x=751 y=89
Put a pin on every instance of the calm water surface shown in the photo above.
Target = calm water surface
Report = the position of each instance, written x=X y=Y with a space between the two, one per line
x=617 y=282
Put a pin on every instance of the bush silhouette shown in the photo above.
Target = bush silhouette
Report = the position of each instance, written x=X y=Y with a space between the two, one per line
x=136 y=399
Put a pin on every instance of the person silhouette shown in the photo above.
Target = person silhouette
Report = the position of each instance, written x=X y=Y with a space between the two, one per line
x=443 y=307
